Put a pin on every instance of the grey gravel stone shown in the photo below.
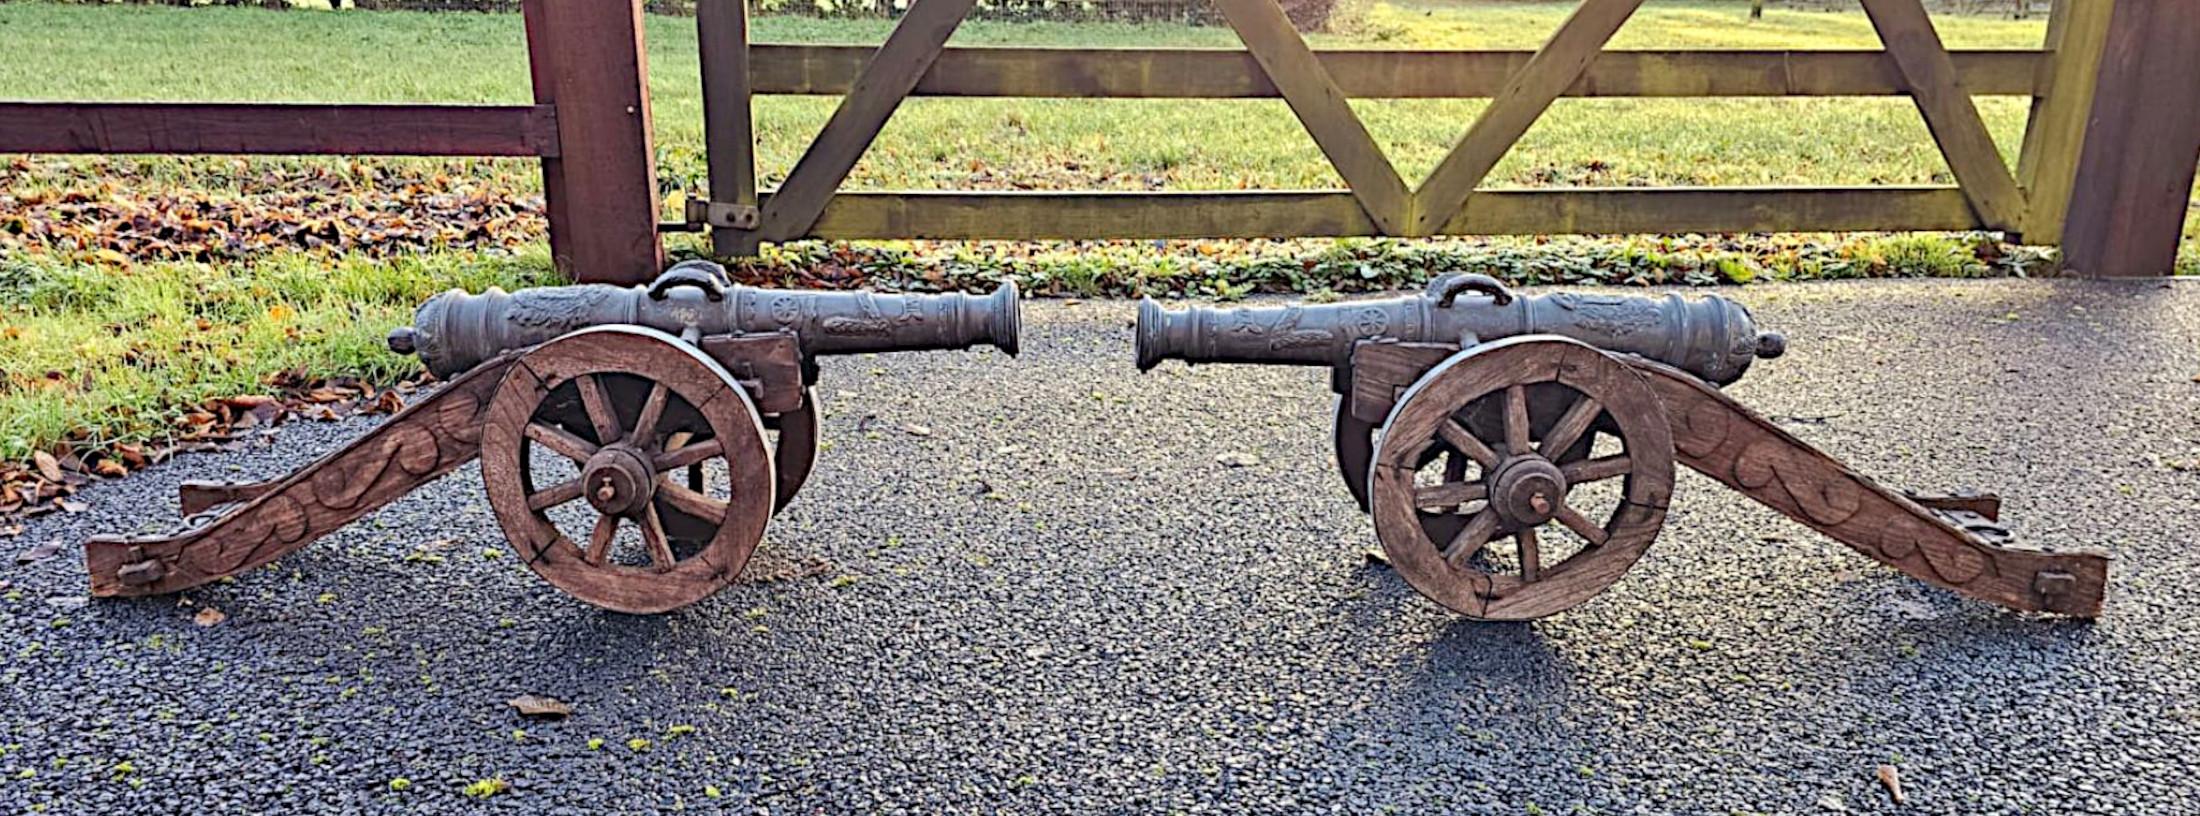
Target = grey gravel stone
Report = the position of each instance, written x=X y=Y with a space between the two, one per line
x=1065 y=606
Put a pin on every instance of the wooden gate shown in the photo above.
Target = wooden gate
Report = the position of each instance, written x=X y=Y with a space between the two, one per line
x=2031 y=202
x=2106 y=167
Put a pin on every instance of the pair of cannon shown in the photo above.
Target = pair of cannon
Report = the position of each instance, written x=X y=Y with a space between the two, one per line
x=1517 y=453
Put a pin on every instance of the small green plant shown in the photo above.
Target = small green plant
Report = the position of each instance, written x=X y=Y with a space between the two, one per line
x=401 y=784
x=486 y=788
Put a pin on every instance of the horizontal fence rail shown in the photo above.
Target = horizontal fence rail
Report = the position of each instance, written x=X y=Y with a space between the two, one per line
x=278 y=128
x=1214 y=73
x=1032 y=216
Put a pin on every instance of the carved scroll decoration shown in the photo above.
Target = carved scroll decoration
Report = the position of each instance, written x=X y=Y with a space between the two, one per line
x=426 y=440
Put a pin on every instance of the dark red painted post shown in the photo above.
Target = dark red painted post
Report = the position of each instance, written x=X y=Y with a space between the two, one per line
x=2142 y=142
x=587 y=57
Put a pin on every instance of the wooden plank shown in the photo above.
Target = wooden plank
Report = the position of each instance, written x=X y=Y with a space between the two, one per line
x=1714 y=210
x=2135 y=175
x=1525 y=96
x=1322 y=108
x=1213 y=73
x=1383 y=370
x=1030 y=216
x=886 y=79
x=599 y=71
x=729 y=132
x=2047 y=165
x=1948 y=110
x=278 y=128
x=544 y=82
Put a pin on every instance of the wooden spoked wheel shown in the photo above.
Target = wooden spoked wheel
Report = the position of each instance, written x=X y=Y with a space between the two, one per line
x=1355 y=445
x=1518 y=478
x=585 y=437
x=794 y=451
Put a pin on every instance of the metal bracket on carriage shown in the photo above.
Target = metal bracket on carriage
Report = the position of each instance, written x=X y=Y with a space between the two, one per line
x=1953 y=541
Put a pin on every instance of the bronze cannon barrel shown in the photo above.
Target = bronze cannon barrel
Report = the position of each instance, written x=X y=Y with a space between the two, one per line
x=1711 y=337
x=455 y=331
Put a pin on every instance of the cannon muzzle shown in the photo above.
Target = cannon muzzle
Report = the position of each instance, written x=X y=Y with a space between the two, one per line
x=455 y=331
x=1711 y=337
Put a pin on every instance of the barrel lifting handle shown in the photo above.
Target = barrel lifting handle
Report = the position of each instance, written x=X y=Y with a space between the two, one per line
x=704 y=275
x=1452 y=287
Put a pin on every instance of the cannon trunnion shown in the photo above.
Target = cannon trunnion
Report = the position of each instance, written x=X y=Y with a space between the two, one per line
x=634 y=442
x=1517 y=453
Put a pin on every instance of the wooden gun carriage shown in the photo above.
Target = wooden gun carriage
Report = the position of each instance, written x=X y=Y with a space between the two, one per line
x=634 y=442
x=1517 y=452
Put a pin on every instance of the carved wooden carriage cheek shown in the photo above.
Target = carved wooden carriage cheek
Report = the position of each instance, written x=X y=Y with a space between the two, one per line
x=634 y=442
x=1517 y=453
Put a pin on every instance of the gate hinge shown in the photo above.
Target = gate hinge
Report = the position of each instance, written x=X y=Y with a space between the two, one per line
x=722 y=214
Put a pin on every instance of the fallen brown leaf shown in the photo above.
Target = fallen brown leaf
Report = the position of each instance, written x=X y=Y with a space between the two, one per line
x=209 y=616
x=48 y=466
x=111 y=469
x=1891 y=779
x=540 y=707
x=1237 y=460
x=38 y=553
x=388 y=403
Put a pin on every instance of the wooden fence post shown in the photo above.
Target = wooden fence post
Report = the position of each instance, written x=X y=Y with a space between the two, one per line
x=587 y=57
x=2142 y=142
x=729 y=131
x=2048 y=163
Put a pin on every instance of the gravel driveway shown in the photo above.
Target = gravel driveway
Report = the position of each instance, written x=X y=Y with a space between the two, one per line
x=1058 y=601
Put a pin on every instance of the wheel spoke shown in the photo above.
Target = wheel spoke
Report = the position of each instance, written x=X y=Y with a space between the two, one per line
x=1581 y=525
x=598 y=407
x=653 y=534
x=691 y=502
x=653 y=408
x=1471 y=538
x=1595 y=470
x=689 y=455
x=1531 y=555
x=1516 y=419
x=561 y=441
x=1463 y=441
x=1448 y=496
x=599 y=540
x=1570 y=427
x=1455 y=466
x=555 y=495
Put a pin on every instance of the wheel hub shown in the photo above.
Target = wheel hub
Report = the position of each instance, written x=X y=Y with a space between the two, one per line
x=618 y=481
x=1527 y=490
